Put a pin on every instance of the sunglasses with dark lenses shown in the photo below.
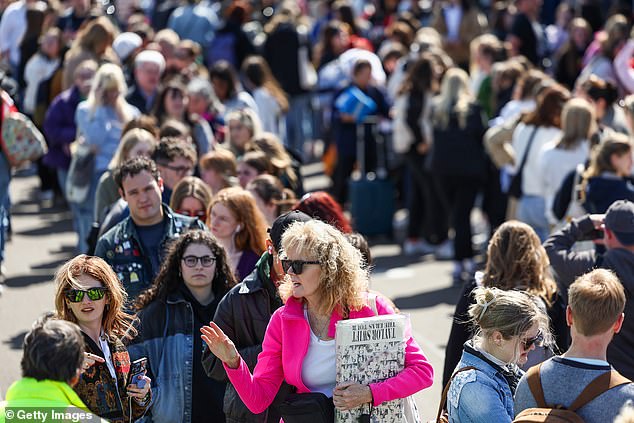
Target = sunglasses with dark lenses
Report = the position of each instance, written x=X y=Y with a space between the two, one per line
x=296 y=265
x=206 y=261
x=528 y=343
x=77 y=295
x=200 y=214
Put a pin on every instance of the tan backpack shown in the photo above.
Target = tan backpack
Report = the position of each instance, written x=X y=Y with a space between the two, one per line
x=556 y=413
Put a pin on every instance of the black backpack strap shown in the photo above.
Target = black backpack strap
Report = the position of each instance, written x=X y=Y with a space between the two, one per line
x=599 y=385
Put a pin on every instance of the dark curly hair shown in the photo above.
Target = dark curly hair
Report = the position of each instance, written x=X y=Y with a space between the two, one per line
x=169 y=278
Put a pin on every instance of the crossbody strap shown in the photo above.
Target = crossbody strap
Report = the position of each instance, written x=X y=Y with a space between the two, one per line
x=443 y=400
x=526 y=152
x=535 y=385
x=599 y=385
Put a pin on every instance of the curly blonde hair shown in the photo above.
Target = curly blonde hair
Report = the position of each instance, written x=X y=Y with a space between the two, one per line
x=115 y=322
x=517 y=260
x=343 y=279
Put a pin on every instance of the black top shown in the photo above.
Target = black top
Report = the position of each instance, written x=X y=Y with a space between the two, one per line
x=523 y=29
x=207 y=394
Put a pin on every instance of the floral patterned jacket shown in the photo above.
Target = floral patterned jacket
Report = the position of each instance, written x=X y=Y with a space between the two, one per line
x=104 y=395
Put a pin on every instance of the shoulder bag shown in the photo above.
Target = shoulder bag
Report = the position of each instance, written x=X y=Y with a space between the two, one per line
x=515 y=188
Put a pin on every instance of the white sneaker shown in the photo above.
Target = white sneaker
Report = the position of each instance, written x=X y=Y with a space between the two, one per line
x=418 y=247
x=444 y=251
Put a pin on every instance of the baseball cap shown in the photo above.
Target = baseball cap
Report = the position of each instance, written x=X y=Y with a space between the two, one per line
x=282 y=223
x=125 y=44
x=620 y=219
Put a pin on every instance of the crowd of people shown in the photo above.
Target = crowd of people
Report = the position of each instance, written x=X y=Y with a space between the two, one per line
x=176 y=132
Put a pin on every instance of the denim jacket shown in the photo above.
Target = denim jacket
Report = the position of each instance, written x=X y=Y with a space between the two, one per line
x=121 y=248
x=166 y=338
x=479 y=396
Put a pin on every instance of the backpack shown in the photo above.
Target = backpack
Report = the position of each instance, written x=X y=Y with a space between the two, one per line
x=21 y=141
x=556 y=413
x=223 y=47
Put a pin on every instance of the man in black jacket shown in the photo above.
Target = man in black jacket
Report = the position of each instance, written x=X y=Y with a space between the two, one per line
x=616 y=228
x=244 y=313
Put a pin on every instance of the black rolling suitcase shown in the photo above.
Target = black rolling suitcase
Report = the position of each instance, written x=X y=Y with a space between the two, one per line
x=372 y=194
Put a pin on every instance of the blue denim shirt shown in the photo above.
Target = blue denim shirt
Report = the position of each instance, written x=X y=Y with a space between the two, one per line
x=479 y=396
x=166 y=339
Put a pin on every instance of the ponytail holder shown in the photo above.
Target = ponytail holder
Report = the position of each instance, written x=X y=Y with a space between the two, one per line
x=485 y=305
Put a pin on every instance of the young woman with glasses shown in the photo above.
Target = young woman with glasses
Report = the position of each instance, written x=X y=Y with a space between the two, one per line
x=193 y=279
x=325 y=282
x=89 y=294
x=191 y=197
x=508 y=325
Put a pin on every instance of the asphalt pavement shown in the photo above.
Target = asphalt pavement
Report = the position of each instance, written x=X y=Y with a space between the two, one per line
x=43 y=239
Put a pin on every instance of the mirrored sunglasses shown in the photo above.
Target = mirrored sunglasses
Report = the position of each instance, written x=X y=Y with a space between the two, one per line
x=77 y=295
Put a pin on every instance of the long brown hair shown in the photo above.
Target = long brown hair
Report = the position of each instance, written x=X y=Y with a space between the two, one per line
x=170 y=278
x=601 y=158
x=115 y=322
x=242 y=205
x=517 y=260
x=550 y=103
x=259 y=73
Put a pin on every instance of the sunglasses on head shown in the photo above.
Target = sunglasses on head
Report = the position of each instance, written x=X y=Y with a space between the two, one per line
x=191 y=261
x=528 y=343
x=296 y=265
x=77 y=295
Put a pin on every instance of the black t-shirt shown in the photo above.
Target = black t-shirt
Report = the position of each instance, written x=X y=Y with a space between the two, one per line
x=523 y=29
x=151 y=237
x=207 y=394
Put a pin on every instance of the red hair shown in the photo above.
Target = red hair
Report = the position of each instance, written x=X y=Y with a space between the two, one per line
x=322 y=206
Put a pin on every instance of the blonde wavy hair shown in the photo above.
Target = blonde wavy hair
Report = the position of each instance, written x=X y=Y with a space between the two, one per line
x=343 y=279
x=517 y=260
x=115 y=322
x=109 y=76
x=454 y=97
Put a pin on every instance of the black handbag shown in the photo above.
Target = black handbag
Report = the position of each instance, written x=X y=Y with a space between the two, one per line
x=311 y=407
x=515 y=188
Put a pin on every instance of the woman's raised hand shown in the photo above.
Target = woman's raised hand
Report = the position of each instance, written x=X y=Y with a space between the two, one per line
x=220 y=345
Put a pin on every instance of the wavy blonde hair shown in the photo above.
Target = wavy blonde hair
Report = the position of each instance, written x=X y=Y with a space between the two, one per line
x=343 y=279
x=115 y=322
x=517 y=260
x=454 y=97
x=109 y=76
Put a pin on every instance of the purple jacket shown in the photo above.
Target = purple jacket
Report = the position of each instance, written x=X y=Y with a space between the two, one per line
x=60 y=129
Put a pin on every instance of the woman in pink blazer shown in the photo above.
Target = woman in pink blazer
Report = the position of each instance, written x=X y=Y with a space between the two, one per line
x=325 y=283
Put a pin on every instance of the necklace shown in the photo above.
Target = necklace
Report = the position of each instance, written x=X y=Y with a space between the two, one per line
x=318 y=327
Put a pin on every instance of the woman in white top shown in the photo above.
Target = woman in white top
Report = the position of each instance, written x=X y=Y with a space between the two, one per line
x=271 y=100
x=530 y=135
x=565 y=153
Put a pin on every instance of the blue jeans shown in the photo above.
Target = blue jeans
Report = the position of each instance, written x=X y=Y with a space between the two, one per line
x=5 y=178
x=298 y=123
x=83 y=214
x=532 y=211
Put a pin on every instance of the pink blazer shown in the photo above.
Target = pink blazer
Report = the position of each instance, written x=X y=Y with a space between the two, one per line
x=284 y=348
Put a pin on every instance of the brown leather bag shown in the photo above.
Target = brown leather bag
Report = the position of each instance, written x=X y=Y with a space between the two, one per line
x=557 y=414
x=442 y=416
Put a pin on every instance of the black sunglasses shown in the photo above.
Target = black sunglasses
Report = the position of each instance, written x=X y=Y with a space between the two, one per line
x=77 y=295
x=206 y=261
x=296 y=265
x=528 y=343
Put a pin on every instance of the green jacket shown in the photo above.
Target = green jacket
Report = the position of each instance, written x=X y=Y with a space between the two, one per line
x=31 y=395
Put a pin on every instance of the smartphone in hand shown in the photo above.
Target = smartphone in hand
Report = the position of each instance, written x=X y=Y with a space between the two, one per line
x=138 y=369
